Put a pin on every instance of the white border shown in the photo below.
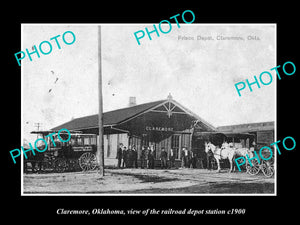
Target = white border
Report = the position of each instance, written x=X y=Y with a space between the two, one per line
x=159 y=194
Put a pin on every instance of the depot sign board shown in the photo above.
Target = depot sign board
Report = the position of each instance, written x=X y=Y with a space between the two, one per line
x=148 y=128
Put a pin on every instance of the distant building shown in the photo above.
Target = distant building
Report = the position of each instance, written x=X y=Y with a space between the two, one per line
x=263 y=132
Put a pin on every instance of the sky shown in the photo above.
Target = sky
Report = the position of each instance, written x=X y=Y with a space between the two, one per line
x=199 y=74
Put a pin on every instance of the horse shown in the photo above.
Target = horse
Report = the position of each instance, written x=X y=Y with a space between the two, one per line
x=221 y=153
x=242 y=152
x=239 y=151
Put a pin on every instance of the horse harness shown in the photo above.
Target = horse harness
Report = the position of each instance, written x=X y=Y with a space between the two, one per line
x=214 y=153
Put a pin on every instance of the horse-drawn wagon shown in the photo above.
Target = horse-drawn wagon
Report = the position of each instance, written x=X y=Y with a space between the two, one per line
x=76 y=154
x=230 y=151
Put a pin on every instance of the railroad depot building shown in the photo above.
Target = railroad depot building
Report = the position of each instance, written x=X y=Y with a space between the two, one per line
x=165 y=123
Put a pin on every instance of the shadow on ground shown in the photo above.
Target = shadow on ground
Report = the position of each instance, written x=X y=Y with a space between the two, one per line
x=145 y=178
x=214 y=188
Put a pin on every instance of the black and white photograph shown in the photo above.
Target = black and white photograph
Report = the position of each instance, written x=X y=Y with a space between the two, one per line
x=131 y=113
x=130 y=109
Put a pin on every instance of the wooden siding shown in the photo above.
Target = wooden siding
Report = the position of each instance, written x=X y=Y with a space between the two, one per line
x=111 y=143
x=264 y=138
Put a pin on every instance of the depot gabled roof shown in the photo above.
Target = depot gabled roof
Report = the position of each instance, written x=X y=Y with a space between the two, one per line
x=119 y=116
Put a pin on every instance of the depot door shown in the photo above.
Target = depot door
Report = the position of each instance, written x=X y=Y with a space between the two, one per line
x=176 y=144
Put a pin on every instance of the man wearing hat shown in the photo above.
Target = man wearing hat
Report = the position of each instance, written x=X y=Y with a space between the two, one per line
x=134 y=157
x=119 y=154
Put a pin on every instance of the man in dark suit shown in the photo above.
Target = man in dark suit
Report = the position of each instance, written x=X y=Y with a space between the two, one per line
x=190 y=157
x=151 y=158
x=209 y=158
x=134 y=157
x=129 y=157
x=125 y=157
x=119 y=154
x=143 y=157
x=194 y=160
x=163 y=158
x=171 y=158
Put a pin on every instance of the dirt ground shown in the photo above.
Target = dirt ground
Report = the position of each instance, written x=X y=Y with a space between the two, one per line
x=148 y=181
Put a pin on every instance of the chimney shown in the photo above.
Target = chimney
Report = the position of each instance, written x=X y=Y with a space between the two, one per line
x=132 y=101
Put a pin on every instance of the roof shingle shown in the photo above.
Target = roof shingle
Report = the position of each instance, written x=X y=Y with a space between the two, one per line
x=109 y=118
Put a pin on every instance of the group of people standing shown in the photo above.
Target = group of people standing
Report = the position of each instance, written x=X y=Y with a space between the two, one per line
x=188 y=158
x=127 y=158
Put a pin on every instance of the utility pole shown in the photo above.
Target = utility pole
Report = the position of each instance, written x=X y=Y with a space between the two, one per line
x=38 y=125
x=100 y=149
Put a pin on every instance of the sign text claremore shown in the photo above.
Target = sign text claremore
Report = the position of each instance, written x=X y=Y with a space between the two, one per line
x=159 y=128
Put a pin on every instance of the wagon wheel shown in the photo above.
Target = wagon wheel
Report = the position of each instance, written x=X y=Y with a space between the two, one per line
x=267 y=169
x=48 y=164
x=87 y=161
x=60 y=165
x=254 y=169
x=240 y=162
